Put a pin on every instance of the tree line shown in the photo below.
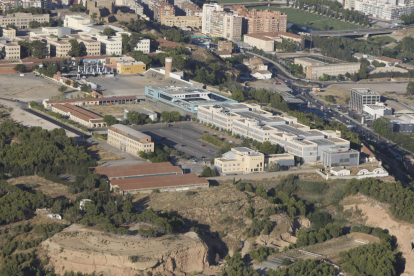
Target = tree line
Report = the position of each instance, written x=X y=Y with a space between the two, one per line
x=383 y=127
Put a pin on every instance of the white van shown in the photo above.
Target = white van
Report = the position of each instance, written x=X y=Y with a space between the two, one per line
x=21 y=75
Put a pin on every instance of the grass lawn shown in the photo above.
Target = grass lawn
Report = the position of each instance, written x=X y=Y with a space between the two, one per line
x=316 y=21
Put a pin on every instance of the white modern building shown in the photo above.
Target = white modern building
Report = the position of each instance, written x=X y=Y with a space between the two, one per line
x=76 y=21
x=143 y=45
x=249 y=120
x=377 y=110
x=388 y=10
x=110 y=45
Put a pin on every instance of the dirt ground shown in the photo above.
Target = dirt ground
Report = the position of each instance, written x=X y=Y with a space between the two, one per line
x=86 y=250
x=376 y=214
x=107 y=110
x=28 y=88
x=40 y=184
x=342 y=91
x=99 y=154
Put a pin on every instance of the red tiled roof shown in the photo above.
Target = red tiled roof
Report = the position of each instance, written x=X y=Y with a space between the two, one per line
x=138 y=169
x=78 y=112
x=120 y=98
x=154 y=182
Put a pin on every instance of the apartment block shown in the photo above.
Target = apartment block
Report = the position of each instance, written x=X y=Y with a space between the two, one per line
x=10 y=50
x=363 y=96
x=306 y=62
x=383 y=9
x=335 y=69
x=208 y=10
x=226 y=25
x=262 y=21
x=248 y=120
x=243 y=160
x=163 y=9
x=129 y=140
x=182 y=22
x=192 y=10
x=21 y=20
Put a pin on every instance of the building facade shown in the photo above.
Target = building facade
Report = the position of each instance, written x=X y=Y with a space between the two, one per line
x=9 y=32
x=363 y=96
x=208 y=10
x=162 y=9
x=262 y=21
x=226 y=25
x=76 y=22
x=377 y=110
x=335 y=157
x=267 y=41
x=21 y=20
x=129 y=140
x=79 y=115
x=182 y=22
x=248 y=120
x=335 y=69
x=245 y=161
x=11 y=50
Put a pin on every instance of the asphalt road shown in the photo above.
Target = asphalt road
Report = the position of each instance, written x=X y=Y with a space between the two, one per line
x=358 y=32
x=182 y=136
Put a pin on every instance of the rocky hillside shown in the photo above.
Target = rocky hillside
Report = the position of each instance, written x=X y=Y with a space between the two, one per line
x=87 y=251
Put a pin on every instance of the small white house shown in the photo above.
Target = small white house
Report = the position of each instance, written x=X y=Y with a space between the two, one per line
x=340 y=171
x=262 y=75
x=54 y=216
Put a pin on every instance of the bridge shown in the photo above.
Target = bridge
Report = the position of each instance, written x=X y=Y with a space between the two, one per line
x=359 y=32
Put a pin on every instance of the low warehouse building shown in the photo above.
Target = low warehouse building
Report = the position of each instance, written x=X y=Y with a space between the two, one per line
x=129 y=140
x=164 y=183
x=92 y=101
x=138 y=170
x=79 y=115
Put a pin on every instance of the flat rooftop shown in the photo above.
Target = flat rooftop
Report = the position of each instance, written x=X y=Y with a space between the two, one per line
x=162 y=181
x=132 y=133
x=364 y=91
x=137 y=170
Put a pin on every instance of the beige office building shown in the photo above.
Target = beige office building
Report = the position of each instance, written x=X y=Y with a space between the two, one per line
x=182 y=21
x=305 y=62
x=9 y=32
x=93 y=47
x=267 y=41
x=76 y=21
x=245 y=161
x=11 y=50
x=262 y=21
x=129 y=140
x=316 y=72
x=59 y=47
x=21 y=20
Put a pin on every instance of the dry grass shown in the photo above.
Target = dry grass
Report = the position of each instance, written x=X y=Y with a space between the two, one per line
x=106 y=110
x=39 y=184
x=99 y=154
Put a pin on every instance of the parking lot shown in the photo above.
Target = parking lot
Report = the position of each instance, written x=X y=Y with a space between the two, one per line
x=182 y=136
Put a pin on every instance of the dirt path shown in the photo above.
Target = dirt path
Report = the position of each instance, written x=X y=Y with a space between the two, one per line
x=246 y=248
x=377 y=215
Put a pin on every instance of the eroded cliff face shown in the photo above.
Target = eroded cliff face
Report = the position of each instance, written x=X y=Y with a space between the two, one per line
x=90 y=251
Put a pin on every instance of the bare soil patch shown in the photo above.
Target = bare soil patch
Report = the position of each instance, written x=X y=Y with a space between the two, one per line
x=106 y=110
x=39 y=184
x=86 y=250
x=99 y=154
x=376 y=214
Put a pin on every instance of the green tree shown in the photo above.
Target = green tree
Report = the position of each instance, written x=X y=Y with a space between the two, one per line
x=85 y=88
x=77 y=50
x=237 y=95
x=110 y=120
x=21 y=68
x=94 y=16
x=268 y=148
x=410 y=88
x=11 y=26
x=34 y=24
x=109 y=31
x=62 y=89
x=208 y=172
x=67 y=82
x=75 y=84
x=36 y=49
